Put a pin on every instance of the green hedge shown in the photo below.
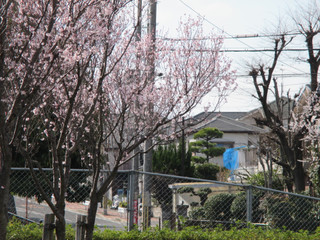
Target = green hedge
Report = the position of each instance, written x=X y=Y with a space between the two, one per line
x=33 y=231
x=293 y=213
x=18 y=231
x=239 y=207
x=280 y=211
x=218 y=207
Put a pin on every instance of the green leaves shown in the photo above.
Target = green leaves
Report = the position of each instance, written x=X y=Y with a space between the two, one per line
x=206 y=171
x=167 y=160
x=18 y=231
x=202 y=145
x=208 y=132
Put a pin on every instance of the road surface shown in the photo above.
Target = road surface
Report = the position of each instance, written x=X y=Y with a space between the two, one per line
x=36 y=212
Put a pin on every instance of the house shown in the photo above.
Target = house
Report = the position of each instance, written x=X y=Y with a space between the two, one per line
x=282 y=109
x=237 y=134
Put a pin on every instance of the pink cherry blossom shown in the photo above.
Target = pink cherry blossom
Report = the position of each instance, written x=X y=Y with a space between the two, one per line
x=74 y=71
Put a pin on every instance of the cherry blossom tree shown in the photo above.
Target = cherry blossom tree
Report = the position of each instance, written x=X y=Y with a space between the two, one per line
x=5 y=135
x=126 y=118
x=73 y=76
x=306 y=121
x=50 y=50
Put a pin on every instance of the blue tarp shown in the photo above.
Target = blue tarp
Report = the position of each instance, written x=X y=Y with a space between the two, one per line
x=231 y=159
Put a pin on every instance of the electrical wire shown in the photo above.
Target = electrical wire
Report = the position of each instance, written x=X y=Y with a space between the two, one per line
x=231 y=36
x=237 y=36
x=253 y=50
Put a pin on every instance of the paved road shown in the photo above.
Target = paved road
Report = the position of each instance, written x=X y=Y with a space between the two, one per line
x=37 y=211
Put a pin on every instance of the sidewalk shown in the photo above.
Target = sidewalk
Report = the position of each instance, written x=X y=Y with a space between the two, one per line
x=112 y=214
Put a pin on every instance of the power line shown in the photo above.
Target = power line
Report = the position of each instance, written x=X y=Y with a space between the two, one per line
x=231 y=36
x=237 y=50
x=255 y=50
x=263 y=35
x=250 y=50
x=256 y=35
x=264 y=50
x=288 y=75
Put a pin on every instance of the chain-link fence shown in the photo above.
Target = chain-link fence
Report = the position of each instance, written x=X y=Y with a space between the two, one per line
x=158 y=200
x=29 y=203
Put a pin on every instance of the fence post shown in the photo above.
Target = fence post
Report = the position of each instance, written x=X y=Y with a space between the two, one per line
x=48 y=227
x=131 y=200
x=81 y=227
x=249 y=203
x=105 y=195
x=173 y=221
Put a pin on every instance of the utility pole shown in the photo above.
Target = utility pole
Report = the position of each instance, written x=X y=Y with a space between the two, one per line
x=147 y=165
x=134 y=181
x=183 y=150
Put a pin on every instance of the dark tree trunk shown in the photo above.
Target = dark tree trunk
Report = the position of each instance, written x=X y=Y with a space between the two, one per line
x=61 y=225
x=293 y=170
x=298 y=171
x=5 y=149
x=60 y=230
x=92 y=212
x=95 y=196
x=5 y=167
x=314 y=66
x=288 y=180
x=313 y=60
x=299 y=177
x=299 y=174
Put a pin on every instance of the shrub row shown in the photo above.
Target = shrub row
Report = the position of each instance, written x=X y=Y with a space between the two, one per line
x=18 y=231
x=294 y=213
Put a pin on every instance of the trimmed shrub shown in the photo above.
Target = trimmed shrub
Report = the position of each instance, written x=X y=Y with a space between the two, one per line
x=218 y=207
x=239 y=207
x=197 y=213
x=206 y=171
x=293 y=213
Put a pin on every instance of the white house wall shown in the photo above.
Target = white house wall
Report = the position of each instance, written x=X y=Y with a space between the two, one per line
x=240 y=139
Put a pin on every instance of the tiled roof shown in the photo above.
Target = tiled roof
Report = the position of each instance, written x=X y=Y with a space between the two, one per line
x=226 y=124
x=209 y=115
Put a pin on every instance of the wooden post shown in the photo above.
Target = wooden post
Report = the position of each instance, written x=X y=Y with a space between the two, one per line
x=249 y=203
x=81 y=227
x=48 y=227
x=173 y=221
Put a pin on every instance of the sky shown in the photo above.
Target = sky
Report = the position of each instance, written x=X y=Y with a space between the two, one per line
x=232 y=18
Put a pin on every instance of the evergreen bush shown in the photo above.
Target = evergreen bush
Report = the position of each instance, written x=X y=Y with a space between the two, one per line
x=18 y=231
x=218 y=207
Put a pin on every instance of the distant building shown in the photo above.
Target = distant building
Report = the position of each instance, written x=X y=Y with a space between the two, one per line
x=236 y=134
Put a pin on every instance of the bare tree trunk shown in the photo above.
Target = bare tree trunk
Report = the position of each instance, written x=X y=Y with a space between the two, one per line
x=288 y=180
x=95 y=195
x=5 y=149
x=314 y=67
x=313 y=60
x=5 y=166
x=289 y=161
x=92 y=211
x=289 y=143
x=298 y=171
x=61 y=225
x=299 y=177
